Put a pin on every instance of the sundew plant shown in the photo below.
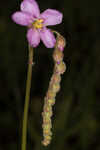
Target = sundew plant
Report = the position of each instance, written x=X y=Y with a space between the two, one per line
x=37 y=24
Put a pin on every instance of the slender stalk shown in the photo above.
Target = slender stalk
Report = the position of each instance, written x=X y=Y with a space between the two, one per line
x=27 y=97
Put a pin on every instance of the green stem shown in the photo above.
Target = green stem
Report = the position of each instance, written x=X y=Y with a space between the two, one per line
x=27 y=97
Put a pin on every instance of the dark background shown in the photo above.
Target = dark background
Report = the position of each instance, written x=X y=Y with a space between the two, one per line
x=76 y=118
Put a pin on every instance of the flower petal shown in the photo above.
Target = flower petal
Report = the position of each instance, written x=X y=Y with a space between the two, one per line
x=22 y=18
x=52 y=17
x=33 y=37
x=29 y=0
x=30 y=7
x=47 y=37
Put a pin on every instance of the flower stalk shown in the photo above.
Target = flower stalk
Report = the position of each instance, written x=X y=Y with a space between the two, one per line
x=54 y=87
x=27 y=97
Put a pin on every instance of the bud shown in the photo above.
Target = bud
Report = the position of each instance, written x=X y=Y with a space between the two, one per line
x=60 y=68
x=58 y=56
x=48 y=137
x=47 y=108
x=56 y=78
x=51 y=101
x=61 y=42
x=46 y=120
x=47 y=114
x=46 y=126
x=45 y=142
x=51 y=94
x=55 y=87
x=47 y=132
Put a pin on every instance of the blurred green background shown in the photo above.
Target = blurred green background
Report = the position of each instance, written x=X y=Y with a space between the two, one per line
x=76 y=118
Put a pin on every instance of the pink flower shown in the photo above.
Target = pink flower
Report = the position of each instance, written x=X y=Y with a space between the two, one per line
x=30 y=16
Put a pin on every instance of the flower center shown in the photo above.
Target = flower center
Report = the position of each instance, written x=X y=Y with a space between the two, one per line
x=38 y=24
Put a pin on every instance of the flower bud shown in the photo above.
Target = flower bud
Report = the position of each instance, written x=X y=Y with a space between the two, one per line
x=51 y=101
x=47 y=132
x=46 y=120
x=55 y=87
x=45 y=142
x=47 y=114
x=60 y=68
x=58 y=56
x=51 y=94
x=61 y=43
x=48 y=137
x=56 y=78
x=47 y=108
x=46 y=126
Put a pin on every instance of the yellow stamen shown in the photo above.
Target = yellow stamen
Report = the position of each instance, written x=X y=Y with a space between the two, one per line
x=38 y=24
